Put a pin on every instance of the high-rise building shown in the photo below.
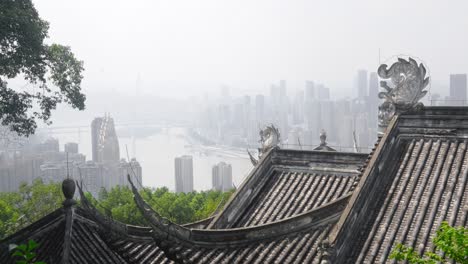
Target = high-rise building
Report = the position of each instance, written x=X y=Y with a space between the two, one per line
x=260 y=108
x=91 y=176
x=309 y=91
x=373 y=99
x=362 y=84
x=323 y=93
x=373 y=86
x=457 y=89
x=184 y=174
x=105 y=144
x=222 y=177
x=71 y=148
x=298 y=108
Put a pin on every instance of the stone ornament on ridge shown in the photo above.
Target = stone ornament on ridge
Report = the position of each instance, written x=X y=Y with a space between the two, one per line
x=269 y=138
x=408 y=81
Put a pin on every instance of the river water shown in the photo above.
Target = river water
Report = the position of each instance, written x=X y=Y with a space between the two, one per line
x=156 y=155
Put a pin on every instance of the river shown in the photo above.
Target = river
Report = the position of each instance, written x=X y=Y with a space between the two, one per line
x=156 y=155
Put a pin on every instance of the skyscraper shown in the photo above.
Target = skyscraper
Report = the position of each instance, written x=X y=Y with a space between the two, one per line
x=105 y=144
x=184 y=174
x=373 y=86
x=222 y=177
x=309 y=91
x=71 y=147
x=323 y=93
x=458 y=89
x=260 y=107
x=362 y=84
x=373 y=103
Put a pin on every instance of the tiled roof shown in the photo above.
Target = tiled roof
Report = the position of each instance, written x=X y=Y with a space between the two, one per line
x=428 y=189
x=287 y=193
x=291 y=240
x=297 y=248
x=287 y=183
x=86 y=245
x=416 y=179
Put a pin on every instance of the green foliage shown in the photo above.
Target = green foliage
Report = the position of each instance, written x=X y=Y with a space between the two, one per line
x=452 y=242
x=29 y=204
x=32 y=202
x=180 y=208
x=23 y=53
x=8 y=216
x=25 y=252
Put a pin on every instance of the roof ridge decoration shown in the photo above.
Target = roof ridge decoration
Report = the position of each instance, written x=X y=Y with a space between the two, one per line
x=409 y=81
x=166 y=233
x=68 y=189
x=269 y=138
x=323 y=142
x=111 y=226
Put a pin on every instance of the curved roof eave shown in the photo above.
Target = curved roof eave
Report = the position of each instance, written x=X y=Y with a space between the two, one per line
x=167 y=231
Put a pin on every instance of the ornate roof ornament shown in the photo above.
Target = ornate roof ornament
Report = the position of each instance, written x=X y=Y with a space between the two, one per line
x=323 y=137
x=68 y=189
x=269 y=138
x=323 y=142
x=408 y=83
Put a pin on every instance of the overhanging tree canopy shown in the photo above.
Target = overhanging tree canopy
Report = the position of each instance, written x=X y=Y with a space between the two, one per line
x=23 y=53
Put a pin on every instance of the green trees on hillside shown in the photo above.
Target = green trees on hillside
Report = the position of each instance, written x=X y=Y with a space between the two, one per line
x=31 y=202
x=180 y=208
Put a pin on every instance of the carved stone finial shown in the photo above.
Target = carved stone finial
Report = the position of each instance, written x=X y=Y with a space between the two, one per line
x=269 y=138
x=323 y=137
x=323 y=142
x=408 y=81
x=68 y=189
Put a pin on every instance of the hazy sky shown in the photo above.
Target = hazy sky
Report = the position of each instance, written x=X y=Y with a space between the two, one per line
x=179 y=48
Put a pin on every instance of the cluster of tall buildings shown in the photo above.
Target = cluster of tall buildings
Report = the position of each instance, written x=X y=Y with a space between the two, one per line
x=221 y=175
x=300 y=114
x=236 y=121
x=46 y=161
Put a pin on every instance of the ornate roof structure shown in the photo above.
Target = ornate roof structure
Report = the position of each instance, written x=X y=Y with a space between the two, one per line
x=273 y=216
x=416 y=178
x=299 y=206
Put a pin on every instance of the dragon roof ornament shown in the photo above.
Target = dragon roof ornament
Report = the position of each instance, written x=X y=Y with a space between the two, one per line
x=408 y=83
x=269 y=139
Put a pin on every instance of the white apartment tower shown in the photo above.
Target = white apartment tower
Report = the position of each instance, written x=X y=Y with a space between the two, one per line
x=184 y=174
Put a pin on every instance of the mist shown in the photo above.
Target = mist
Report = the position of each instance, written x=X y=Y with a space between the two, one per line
x=184 y=48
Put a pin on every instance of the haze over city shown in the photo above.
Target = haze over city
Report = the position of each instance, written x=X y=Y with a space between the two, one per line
x=224 y=69
x=183 y=48
x=212 y=131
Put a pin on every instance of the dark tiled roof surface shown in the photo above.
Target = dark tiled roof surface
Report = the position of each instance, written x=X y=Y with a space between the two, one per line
x=415 y=180
x=287 y=183
x=287 y=193
x=139 y=252
x=429 y=187
x=86 y=245
x=298 y=248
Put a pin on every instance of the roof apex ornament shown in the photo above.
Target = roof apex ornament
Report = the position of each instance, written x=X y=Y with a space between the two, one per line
x=323 y=137
x=409 y=81
x=68 y=189
x=323 y=142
